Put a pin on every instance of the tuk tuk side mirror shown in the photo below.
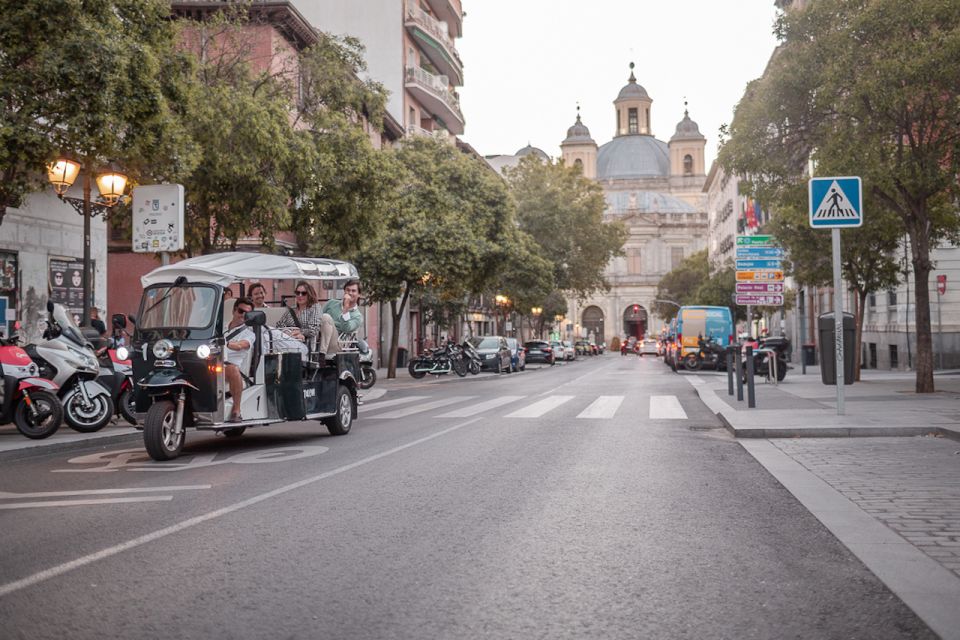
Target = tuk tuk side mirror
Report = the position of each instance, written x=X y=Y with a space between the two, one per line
x=255 y=318
x=119 y=321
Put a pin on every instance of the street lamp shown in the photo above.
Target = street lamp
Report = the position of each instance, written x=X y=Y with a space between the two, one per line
x=62 y=173
x=502 y=302
x=535 y=312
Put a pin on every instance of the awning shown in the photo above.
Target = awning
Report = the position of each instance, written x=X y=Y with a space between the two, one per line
x=227 y=268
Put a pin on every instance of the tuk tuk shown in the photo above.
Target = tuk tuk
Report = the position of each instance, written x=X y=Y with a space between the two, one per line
x=178 y=353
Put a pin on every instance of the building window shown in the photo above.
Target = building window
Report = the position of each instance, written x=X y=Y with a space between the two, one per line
x=688 y=165
x=892 y=298
x=894 y=357
x=632 y=124
x=676 y=257
x=633 y=262
x=619 y=130
x=872 y=347
x=578 y=163
x=647 y=121
x=872 y=300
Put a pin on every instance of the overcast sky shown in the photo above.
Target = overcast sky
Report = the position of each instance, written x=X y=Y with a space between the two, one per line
x=527 y=63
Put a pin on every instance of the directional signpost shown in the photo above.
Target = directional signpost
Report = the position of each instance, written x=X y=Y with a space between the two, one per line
x=759 y=272
x=836 y=203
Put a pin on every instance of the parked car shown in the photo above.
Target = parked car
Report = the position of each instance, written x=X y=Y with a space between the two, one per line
x=518 y=355
x=648 y=346
x=494 y=352
x=539 y=351
x=583 y=348
x=563 y=350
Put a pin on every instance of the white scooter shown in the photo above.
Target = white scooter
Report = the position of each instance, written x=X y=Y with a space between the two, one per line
x=70 y=361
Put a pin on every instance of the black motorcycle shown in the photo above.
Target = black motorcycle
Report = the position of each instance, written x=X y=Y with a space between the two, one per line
x=769 y=351
x=439 y=361
x=709 y=354
x=471 y=357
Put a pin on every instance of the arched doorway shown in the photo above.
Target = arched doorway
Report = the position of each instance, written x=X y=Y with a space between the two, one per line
x=635 y=321
x=593 y=323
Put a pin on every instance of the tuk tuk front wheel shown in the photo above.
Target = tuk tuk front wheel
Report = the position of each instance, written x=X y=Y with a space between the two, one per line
x=159 y=437
x=339 y=423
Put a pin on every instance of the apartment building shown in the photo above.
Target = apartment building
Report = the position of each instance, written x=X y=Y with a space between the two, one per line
x=410 y=49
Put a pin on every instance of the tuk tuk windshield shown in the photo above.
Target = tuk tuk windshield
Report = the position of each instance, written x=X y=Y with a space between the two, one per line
x=184 y=306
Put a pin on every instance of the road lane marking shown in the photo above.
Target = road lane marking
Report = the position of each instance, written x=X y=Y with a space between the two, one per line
x=52 y=572
x=75 y=503
x=666 y=408
x=382 y=404
x=474 y=409
x=4 y=495
x=602 y=407
x=409 y=411
x=537 y=409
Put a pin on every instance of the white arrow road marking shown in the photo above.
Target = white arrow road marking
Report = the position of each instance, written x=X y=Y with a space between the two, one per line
x=473 y=410
x=75 y=503
x=537 y=409
x=666 y=408
x=60 y=569
x=409 y=411
x=602 y=407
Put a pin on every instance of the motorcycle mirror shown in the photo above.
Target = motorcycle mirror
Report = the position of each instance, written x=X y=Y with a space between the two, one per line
x=49 y=306
x=133 y=319
x=119 y=321
x=362 y=345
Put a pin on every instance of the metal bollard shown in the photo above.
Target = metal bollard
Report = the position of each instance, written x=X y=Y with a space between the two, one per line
x=751 y=397
x=729 y=356
x=738 y=370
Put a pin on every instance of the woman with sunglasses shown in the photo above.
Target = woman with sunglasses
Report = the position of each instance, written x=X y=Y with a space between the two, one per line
x=310 y=321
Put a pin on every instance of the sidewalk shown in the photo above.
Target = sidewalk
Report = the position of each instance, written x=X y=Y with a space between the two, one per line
x=893 y=498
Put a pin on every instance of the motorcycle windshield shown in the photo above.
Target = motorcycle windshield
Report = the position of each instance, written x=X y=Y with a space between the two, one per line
x=68 y=327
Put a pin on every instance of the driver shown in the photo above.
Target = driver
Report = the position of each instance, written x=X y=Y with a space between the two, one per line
x=239 y=338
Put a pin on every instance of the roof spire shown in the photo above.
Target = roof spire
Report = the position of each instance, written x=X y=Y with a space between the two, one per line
x=686 y=113
x=633 y=78
x=578 y=113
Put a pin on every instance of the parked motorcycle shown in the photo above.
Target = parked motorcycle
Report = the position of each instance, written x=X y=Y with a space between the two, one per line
x=116 y=368
x=69 y=360
x=709 y=354
x=763 y=358
x=29 y=401
x=471 y=356
x=439 y=361
x=368 y=373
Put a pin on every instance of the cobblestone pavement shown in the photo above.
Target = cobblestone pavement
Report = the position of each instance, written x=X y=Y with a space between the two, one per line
x=910 y=484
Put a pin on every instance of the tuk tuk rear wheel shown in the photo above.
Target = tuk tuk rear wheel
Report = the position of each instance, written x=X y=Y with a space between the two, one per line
x=339 y=424
x=158 y=431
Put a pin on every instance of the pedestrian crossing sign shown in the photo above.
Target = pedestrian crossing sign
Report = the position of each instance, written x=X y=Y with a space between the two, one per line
x=836 y=202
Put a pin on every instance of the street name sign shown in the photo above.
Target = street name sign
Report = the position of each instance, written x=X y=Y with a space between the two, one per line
x=762 y=299
x=743 y=265
x=836 y=202
x=759 y=252
x=762 y=275
x=755 y=241
x=759 y=287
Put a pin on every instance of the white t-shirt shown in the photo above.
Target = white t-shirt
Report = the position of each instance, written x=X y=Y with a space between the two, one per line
x=236 y=356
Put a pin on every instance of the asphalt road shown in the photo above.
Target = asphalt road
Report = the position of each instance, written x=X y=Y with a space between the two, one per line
x=599 y=499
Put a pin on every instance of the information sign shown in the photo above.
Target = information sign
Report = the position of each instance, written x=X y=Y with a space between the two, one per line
x=759 y=287
x=759 y=252
x=760 y=299
x=158 y=218
x=768 y=275
x=743 y=265
x=754 y=241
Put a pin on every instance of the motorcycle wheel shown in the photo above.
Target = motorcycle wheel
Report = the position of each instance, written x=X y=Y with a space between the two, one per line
x=127 y=408
x=158 y=435
x=691 y=362
x=412 y=368
x=91 y=418
x=49 y=406
x=459 y=367
x=368 y=377
x=474 y=367
x=781 y=369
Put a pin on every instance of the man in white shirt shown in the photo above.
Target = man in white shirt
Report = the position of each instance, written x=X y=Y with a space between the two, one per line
x=239 y=339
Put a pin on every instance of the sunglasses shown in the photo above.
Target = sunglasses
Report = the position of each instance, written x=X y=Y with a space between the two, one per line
x=242 y=310
x=301 y=293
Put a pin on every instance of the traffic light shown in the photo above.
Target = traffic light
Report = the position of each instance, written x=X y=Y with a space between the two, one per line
x=636 y=309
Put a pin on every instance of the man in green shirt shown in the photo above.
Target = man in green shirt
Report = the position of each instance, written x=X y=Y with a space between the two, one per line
x=346 y=313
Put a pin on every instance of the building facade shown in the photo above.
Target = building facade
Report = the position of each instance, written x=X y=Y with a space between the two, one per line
x=656 y=189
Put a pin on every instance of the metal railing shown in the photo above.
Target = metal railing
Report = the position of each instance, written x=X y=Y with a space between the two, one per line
x=438 y=85
x=434 y=27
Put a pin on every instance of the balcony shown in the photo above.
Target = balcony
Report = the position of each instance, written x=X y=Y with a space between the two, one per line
x=435 y=41
x=451 y=12
x=437 y=134
x=434 y=94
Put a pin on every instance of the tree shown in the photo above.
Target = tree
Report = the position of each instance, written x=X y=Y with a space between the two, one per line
x=874 y=85
x=682 y=284
x=563 y=212
x=100 y=80
x=443 y=229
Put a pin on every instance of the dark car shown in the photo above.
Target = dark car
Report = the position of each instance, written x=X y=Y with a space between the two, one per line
x=494 y=352
x=539 y=351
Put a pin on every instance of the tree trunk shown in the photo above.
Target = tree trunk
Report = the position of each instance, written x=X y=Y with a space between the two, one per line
x=858 y=338
x=396 y=312
x=920 y=250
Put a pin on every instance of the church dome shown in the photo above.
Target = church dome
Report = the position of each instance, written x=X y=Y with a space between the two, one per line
x=634 y=156
x=632 y=90
x=625 y=202
x=687 y=129
x=527 y=150
x=578 y=133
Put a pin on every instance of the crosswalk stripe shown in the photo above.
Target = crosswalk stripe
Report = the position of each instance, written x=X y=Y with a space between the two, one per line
x=602 y=407
x=409 y=411
x=473 y=410
x=382 y=404
x=666 y=408
x=537 y=409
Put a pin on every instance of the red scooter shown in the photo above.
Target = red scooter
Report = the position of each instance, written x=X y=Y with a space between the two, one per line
x=30 y=402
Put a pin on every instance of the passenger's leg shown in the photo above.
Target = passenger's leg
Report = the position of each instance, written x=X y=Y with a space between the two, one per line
x=329 y=338
x=235 y=382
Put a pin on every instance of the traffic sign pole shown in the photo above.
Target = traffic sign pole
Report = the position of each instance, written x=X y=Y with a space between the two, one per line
x=838 y=318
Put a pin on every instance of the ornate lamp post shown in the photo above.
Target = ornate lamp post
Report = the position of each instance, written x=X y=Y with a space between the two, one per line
x=502 y=302
x=62 y=173
x=536 y=312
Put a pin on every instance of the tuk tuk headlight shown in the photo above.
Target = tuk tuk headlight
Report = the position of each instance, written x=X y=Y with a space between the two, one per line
x=163 y=349
x=203 y=351
x=123 y=354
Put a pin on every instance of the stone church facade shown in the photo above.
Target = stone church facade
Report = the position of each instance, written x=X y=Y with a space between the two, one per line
x=656 y=189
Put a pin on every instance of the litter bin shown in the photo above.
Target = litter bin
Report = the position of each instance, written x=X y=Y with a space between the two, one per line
x=809 y=352
x=828 y=355
x=401 y=357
